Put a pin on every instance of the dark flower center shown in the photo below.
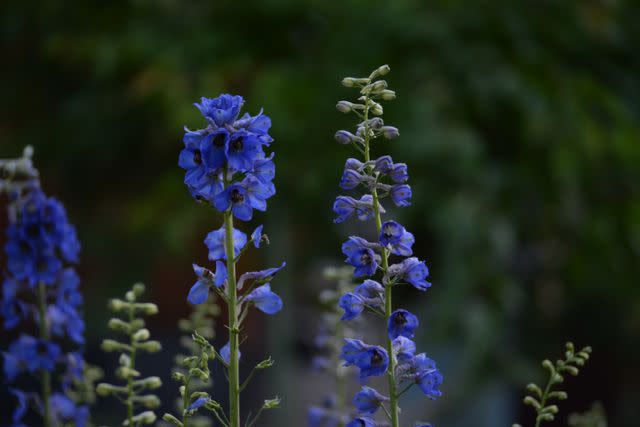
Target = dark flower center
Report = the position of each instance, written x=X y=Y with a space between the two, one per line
x=197 y=157
x=236 y=196
x=41 y=348
x=376 y=357
x=365 y=258
x=33 y=230
x=236 y=145
x=218 y=140
x=400 y=318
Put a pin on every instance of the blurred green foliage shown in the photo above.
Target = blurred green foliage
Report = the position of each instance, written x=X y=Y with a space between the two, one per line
x=519 y=121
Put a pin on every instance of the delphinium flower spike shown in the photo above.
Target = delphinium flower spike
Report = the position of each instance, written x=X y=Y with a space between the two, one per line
x=132 y=325
x=227 y=168
x=382 y=263
x=334 y=409
x=41 y=302
x=540 y=399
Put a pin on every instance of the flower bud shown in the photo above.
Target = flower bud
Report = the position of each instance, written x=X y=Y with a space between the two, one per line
x=138 y=289
x=390 y=132
x=147 y=308
x=104 y=389
x=112 y=345
x=178 y=376
x=353 y=81
x=118 y=325
x=387 y=95
x=343 y=137
x=271 y=403
x=376 y=109
x=380 y=71
x=130 y=296
x=151 y=383
x=150 y=346
x=171 y=419
x=146 y=417
x=141 y=335
x=149 y=401
x=345 y=106
x=117 y=304
x=265 y=364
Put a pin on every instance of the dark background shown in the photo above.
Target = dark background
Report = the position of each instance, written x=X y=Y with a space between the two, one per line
x=519 y=121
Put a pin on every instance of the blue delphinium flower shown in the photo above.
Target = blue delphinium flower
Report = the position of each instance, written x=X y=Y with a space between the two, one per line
x=227 y=168
x=41 y=287
x=388 y=257
x=368 y=400
x=402 y=323
x=362 y=422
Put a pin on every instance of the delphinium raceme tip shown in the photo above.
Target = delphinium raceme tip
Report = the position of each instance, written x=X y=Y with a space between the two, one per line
x=388 y=258
x=41 y=302
x=334 y=411
x=135 y=392
x=227 y=168
x=541 y=400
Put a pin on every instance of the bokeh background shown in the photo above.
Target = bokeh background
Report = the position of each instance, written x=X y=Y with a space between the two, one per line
x=520 y=122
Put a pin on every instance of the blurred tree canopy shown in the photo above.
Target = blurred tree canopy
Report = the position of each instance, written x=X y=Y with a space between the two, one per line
x=519 y=121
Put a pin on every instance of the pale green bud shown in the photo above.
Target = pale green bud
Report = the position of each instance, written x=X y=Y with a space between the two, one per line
x=528 y=400
x=552 y=409
x=150 y=383
x=147 y=308
x=138 y=289
x=572 y=370
x=141 y=335
x=117 y=304
x=383 y=70
x=271 y=403
x=104 y=389
x=109 y=345
x=171 y=419
x=353 y=81
x=126 y=373
x=212 y=404
x=149 y=401
x=130 y=296
x=118 y=325
x=149 y=346
x=344 y=106
x=548 y=365
x=376 y=109
x=534 y=389
x=137 y=324
x=198 y=394
x=265 y=364
x=387 y=95
x=146 y=417
x=124 y=360
x=561 y=395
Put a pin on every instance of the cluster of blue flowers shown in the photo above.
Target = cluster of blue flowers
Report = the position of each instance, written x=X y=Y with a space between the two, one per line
x=227 y=168
x=41 y=293
x=388 y=256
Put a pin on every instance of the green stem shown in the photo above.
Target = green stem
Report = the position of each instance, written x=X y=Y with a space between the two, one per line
x=185 y=401
x=543 y=399
x=132 y=358
x=388 y=306
x=234 y=329
x=44 y=335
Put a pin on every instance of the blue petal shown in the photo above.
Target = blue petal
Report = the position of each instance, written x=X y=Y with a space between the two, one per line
x=198 y=293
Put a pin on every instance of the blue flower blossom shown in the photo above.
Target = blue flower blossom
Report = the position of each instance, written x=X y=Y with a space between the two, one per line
x=256 y=236
x=352 y=304
x=350 y=179
x=399 y=173
x=415 y=272
x=401 y=195
x=361 y=422
x=215 y=151
x=198 y=403
x=243 y=149
x=402 y=323
x=360 y=255
x=199 y=292
x=345 y=207
x=368 y=293
x=403 y=348
x=30 y=354
x=222 y=110
x=372 y=360
x=422 y=370
x=234 y=197
x=265 y=300
x=396 y=238
x=215 y=243
x=368 y=400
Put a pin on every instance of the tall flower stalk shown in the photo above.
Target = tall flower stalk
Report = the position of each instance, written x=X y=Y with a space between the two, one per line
x=388 y=257
x=227 y=168
x=41 y=297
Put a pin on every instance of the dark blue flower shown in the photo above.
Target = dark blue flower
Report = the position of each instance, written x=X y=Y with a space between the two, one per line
x=399 y=173
x=215 y=150
x=383 y=165
x=402 y=323
x=396 y=238
x=345 y=207
x=244 y=149
x=191 y=159
x=199 y=292
x=215 y=243
x=222 y=110
x=423 y=371
x=265 y=300
x=361 y=422
x=361 y=256
x=12 y=308
x=258 y=192
x=21 y=407
x=265 y=170
x=322 y=417
x=258 y=125
x=372 y=360
x=234 y=197
x=352 y=304
x=368 y=400
x=350 y=179
x=401 y=195
x=415 y=272
x=31 y=354
x=403 y=348
x=198 y=403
